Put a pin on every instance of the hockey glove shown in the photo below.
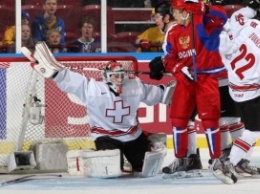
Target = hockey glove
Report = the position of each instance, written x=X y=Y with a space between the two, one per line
x=156 y=68
x=254 y=4
x=168 y=92
x=186 y=72
x=144 y=44
x=43 y=60
x=196 y=6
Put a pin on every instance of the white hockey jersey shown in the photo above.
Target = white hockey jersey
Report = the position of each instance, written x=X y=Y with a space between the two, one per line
x=239 y=18
x=243 y=66
x=108 y=114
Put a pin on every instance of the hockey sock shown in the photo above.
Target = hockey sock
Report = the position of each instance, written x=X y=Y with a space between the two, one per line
x=225 y=136
x=180 y=140
x=192 y=143
x=213 y=139
x=236 y=130
x=242 y=146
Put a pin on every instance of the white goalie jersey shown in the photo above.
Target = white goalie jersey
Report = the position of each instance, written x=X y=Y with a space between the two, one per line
x=110 y=115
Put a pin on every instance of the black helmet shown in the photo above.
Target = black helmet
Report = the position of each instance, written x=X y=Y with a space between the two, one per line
x=163 y=8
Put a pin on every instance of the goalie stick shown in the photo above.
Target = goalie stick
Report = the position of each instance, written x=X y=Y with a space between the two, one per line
x=29 y=55
x=128 y=71
x=27 y=177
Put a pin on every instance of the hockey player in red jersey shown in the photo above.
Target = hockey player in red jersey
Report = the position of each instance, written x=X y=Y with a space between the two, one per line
x=195 y=61
x=192 y=158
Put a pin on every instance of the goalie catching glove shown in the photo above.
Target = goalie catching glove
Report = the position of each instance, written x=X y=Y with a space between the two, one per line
x=43 y=60
x=156 y=68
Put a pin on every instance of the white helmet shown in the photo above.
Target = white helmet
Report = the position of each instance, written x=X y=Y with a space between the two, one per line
x=114 y=75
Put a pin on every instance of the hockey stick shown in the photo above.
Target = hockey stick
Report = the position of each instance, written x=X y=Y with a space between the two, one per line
x=127 y=71
x=193 y=49
x=24 y=178
x=29 y=55
x=16 y=180
x=29 y=97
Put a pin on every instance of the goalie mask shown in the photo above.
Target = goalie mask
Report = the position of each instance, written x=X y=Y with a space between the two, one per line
x=114 y=75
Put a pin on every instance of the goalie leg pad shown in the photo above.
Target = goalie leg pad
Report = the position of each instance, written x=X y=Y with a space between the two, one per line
x=153 y=163
x=159 y=137
x=76 y=162
x=102 y=163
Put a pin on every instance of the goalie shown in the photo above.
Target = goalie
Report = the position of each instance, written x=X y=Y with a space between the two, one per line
x=112 y=106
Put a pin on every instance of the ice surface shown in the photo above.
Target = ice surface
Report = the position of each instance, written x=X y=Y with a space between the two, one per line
x=207 y=184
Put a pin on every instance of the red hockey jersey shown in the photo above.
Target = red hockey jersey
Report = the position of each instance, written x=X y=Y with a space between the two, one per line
x=207 y=28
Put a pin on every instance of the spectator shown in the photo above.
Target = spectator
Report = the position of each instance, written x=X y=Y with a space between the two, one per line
x=152 y=38
x=9 y=35
x=48 y=20
x=54 y=41
x=26 y=36
x=86 y=43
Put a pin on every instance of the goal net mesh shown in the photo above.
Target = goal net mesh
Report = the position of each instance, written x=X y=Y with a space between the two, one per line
x=65 y=118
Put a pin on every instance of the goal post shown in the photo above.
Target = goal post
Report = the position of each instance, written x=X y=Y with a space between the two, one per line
x=63 y=117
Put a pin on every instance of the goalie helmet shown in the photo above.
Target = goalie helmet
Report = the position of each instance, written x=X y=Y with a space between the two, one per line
x=114 y=75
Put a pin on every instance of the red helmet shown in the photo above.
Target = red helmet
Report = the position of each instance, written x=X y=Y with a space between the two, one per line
x=116 y=69
x=194 y=6
x=113 y=66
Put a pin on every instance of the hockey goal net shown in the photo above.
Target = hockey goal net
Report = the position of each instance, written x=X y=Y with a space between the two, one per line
x=64 y=116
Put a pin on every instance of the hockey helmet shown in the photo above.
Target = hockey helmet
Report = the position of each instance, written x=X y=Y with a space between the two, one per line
x=163 y=8
x=114 y=75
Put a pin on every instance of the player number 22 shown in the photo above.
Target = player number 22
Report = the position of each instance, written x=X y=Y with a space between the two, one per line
x=249 y=57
